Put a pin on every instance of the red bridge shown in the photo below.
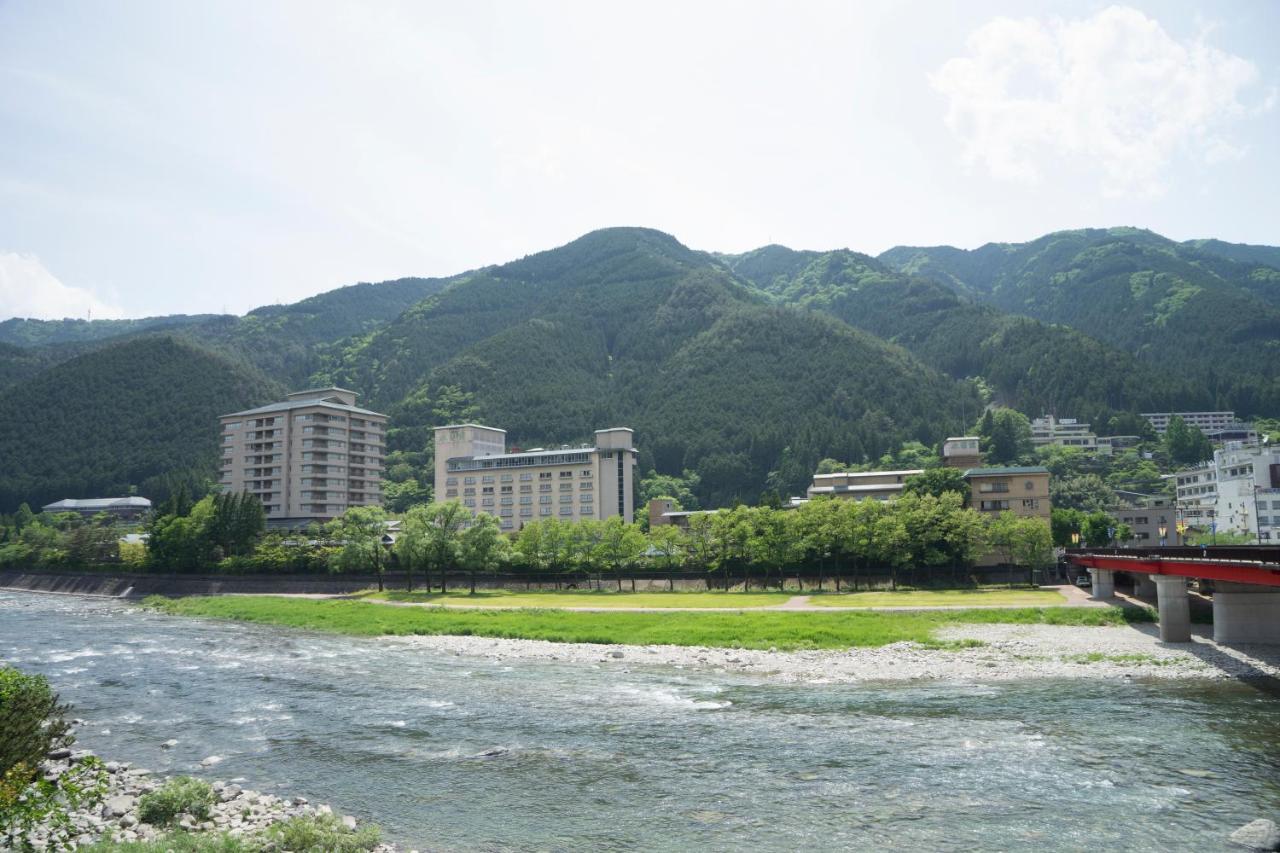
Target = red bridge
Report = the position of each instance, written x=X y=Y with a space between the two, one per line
x=1245 y=586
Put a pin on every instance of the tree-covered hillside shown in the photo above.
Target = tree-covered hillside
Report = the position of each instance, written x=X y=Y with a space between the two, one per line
x=628 y=327
x=127 y=415
x=33 y=333
x=1030 y=365
x=1195 y=314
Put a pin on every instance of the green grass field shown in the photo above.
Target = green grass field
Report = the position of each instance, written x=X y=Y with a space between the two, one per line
x=747 y=629
x=589 y=598
x=944 y=598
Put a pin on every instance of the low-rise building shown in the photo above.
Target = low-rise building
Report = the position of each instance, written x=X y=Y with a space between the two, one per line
x=1067 y=432
x=877 y=485
x=663 y=511
x=307 y=458
x=122 y=509
x=570 y=483
x=1146 y=516
x=1022 y=490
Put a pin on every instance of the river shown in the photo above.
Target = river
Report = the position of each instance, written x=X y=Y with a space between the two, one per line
x=463 y=753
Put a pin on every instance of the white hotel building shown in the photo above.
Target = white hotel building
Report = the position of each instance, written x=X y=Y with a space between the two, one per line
x=1238 y=491
x=569 y=483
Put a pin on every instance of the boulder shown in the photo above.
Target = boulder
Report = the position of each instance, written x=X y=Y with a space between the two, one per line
x=230 y=792
x=59 y=754
x=169 y=744
x=1261 y=834
x=615 y=654
x=128 y=820
x=118 y=806
x=349 y=822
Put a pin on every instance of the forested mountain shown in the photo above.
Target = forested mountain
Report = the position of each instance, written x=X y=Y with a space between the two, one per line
x=1031 y=365
x=628 y=326
x=1189 y=310
x=1245 y=253
x=33 y=333
x=128 y=414
x=745 y=370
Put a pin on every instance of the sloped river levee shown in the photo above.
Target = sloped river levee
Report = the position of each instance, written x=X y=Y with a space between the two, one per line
x=468 y=753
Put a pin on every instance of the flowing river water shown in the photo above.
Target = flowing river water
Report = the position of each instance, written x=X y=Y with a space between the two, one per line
x=467 y=753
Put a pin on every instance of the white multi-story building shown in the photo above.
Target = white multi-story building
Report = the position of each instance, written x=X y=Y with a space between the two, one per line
x=1067 y=432
x=1204 y=421
x=307 y=458
x=1238 y=491
x=569 y=483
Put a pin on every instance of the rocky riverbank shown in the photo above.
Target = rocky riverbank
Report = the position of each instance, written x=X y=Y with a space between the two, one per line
x=116 y=817
x=971 y=653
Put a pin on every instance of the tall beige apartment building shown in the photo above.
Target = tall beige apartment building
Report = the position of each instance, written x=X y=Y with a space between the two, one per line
x=307 y=458
x=569 y=483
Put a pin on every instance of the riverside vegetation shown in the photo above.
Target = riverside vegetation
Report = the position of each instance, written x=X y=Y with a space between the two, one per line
x=750 y=629
x=55 y=798
x=708 y=357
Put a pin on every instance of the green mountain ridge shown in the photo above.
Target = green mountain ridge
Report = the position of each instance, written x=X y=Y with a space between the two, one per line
x=743 y=369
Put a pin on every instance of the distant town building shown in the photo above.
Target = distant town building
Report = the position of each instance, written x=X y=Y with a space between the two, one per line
x=1145 y=515
x=1204 y=421
x=877 y=485
x=308 y=458
x=962 y=452
x=1022 y=490
x=663 y=511
x=1067 y=432
x=1238 y=491
x=570 y=483
x=123 y=509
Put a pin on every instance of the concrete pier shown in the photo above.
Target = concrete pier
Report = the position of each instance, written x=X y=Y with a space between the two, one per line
x=1143 y=586
x=1104 y=584
x=1174 y=607
x=1245 y=613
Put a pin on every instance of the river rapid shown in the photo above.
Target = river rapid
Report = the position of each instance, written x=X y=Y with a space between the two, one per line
x=458 y=752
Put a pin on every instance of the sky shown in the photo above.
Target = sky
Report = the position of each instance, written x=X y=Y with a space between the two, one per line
x=160 y=157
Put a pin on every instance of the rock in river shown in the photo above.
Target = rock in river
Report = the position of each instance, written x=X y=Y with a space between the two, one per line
x=1260 y=834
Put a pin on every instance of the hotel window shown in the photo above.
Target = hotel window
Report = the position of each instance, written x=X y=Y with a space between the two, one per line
x=526 y=499
x=486 y=501
x=526 y=476
x=506 y=501
x=586 y=510
x=526 y=511
x=469 y=491
x=565 y=475
x=546 y=510
x=544 y=487
x=506 y=478
x=544 y=475
x=506 y=490
x=566 y=499
x=1031 y=503
x=544 y=499
x=451 y=481
x=468 y=501
x=505 y=511
x=486 y=479
x=585 y=472
x=586 y=499
x=450 y=493
x=486 y=490
x=469 y=481
x=566 y=487
x=524 y=490
x=566 y=510
x=586 y=487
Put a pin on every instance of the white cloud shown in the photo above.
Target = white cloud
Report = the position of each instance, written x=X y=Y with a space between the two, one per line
x=27 y=289
x=1114 y=92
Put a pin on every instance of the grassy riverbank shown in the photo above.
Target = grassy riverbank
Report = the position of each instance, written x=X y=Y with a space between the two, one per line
x=746 y=629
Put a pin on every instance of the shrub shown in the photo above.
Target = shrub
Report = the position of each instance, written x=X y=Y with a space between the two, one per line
x=179 y=795
x=177 y=842
x=32 y=722
x=319 y=834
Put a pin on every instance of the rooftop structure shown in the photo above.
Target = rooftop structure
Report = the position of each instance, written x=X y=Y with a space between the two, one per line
x=474 y=465
x=879 y=485
x=961 y=451
x=307 y=458
x=129 y=508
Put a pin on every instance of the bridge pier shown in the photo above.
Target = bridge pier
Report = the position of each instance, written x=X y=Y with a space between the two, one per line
x=1104 y=584
x=1174 y=607
x=1143 y=586
x=1245 y=613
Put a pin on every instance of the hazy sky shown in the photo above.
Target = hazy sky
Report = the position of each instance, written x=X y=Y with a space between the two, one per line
x=188 y=157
